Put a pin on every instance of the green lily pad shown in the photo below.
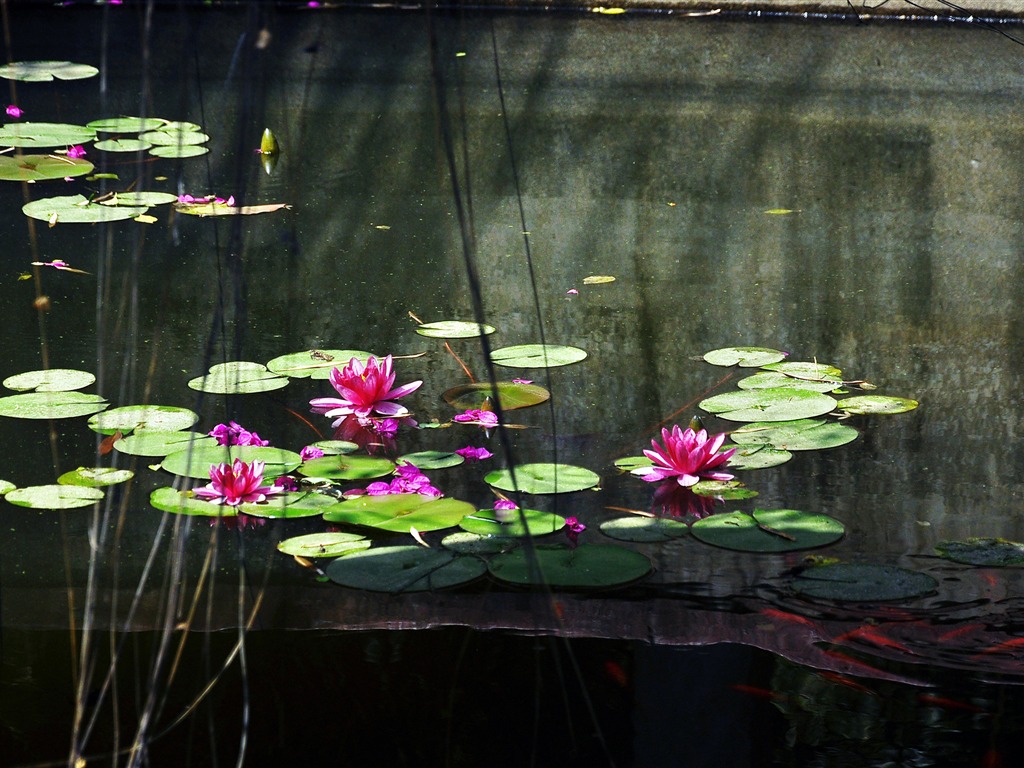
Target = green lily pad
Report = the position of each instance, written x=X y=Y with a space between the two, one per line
x=44 y=71
x=454 y=329
x=123 y=145
x=43 y=135
x=486 y=523
x=40 y=167
x=768 y=530
x=183 y=503
x=802 y=370
x=745 y=357
x=327 y=544
x=50 y=405
x=335 y=447
x=644 y=529
x=537 y=356
x=347 y=467
x=431 y=459
x=238 y=378
x=724 y=489
x=141 y=198
x=159 y=442
x=993 y=553
x=863 y=582
x=289 y=505
x=52 y=380
x=629 y=463
x=126 y=124
x=773 y=379
x=315 y=363
x=54 y=496
x=399 y=512
x=128 y=418
x=179 y=151
x=95 y=477
x=757 y=456
x=586 y=566
x=775 y=404
x=404 y=569
x=5 y=486
x=543 y=478
x=466 y=543
x=876 y=404
x=75 y=209
x=182 y=126
x=196 y=462
x=800 y=435
x=168 y=137
x=509 y=395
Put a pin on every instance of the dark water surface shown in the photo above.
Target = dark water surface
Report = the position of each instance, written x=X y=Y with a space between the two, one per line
x=648 y=149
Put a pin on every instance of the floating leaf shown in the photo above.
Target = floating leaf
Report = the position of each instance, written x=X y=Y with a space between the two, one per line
x=122 y=145
x=644 y=529
x=196 y=462
x=95 y=477
x=509 y=394
x=334 y=447
x=52 y=380
x=543 y=478
x=183 y=503
x=454 y=329
x=803 y=370
x=588 y=565
x=168 y=137
x=6 y=486
x=327 y=544
x=44 y=71
x=347 y=467
x=75 y=209
x=400 y=512
x=486 y=523
x=158 y=442
x=42 y=135
x=995 y=553
x=128 y=418
x=404 y=569
x=315 y=363
x=179 y=151
x=629 y=463
x=877 y=404
x=54 y=496
x=774 y=379
x=431 y=459
x=800 y=435
x=39 y=167
x=221 y=209
x=862 y=582
x=723 y=489
x=598 y=279
x=775 y=404
x=745 y=357
x=467 y=543
x=289 y=505
x=140 y=198
x=126 y=124
x=768 y=530
x=238 y=378
x=537 y=356
x=757 y=456
x=182 y=127
x=51 y=405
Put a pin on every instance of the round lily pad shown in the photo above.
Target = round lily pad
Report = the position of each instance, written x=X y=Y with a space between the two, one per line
x=183 y=503
x=629 y=463
x=803 y=370
x=289 y=505
x=347 y=467
x=40 y=167
x=128 y=418
x=772 y=379
x=42 y=135
x=467 y=543
x=75 y=209
x=876 y=404
x=588 y=565
x=486 y=523
x=723 y=489
x=126 y=124
x=314 y=363
x=454 y=329
x=509 y=394
x=537 y=356
x=543 y=478
x=44 y=71
x=644 y=529
x=863 y=582
x=335 y=447
x=238 y=378
x=400 y=512
x=984 y=552
x=432 y=459
x=774 y=404
x=54 y=496
x=196 y=462
x=800 y=435
x=171 y=138
x=745 y=357
x=178 y=151
x=158 y=442
x=50 y=405
x=327 y=544
x=123 y=145
x=404 y=569
x=757 y=457
x=52 y=380
x=768 y=530
x=141 y=198
x=95 y=477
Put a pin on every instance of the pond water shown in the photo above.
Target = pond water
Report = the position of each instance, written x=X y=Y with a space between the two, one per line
x=848 y=194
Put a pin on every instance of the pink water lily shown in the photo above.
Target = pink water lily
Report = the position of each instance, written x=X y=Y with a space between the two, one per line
x=364 y=389
x=408 y=479
x=234 y=433
x=13 y=110
x=310 y=452
x=486 y=419
x=472 y=453
x=237 y=483
x=76 y=151
x=687 y=456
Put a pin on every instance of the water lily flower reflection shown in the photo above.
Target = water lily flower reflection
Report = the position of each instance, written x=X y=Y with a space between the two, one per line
x=687 y=456
x=237 y=483
x=364 y=390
